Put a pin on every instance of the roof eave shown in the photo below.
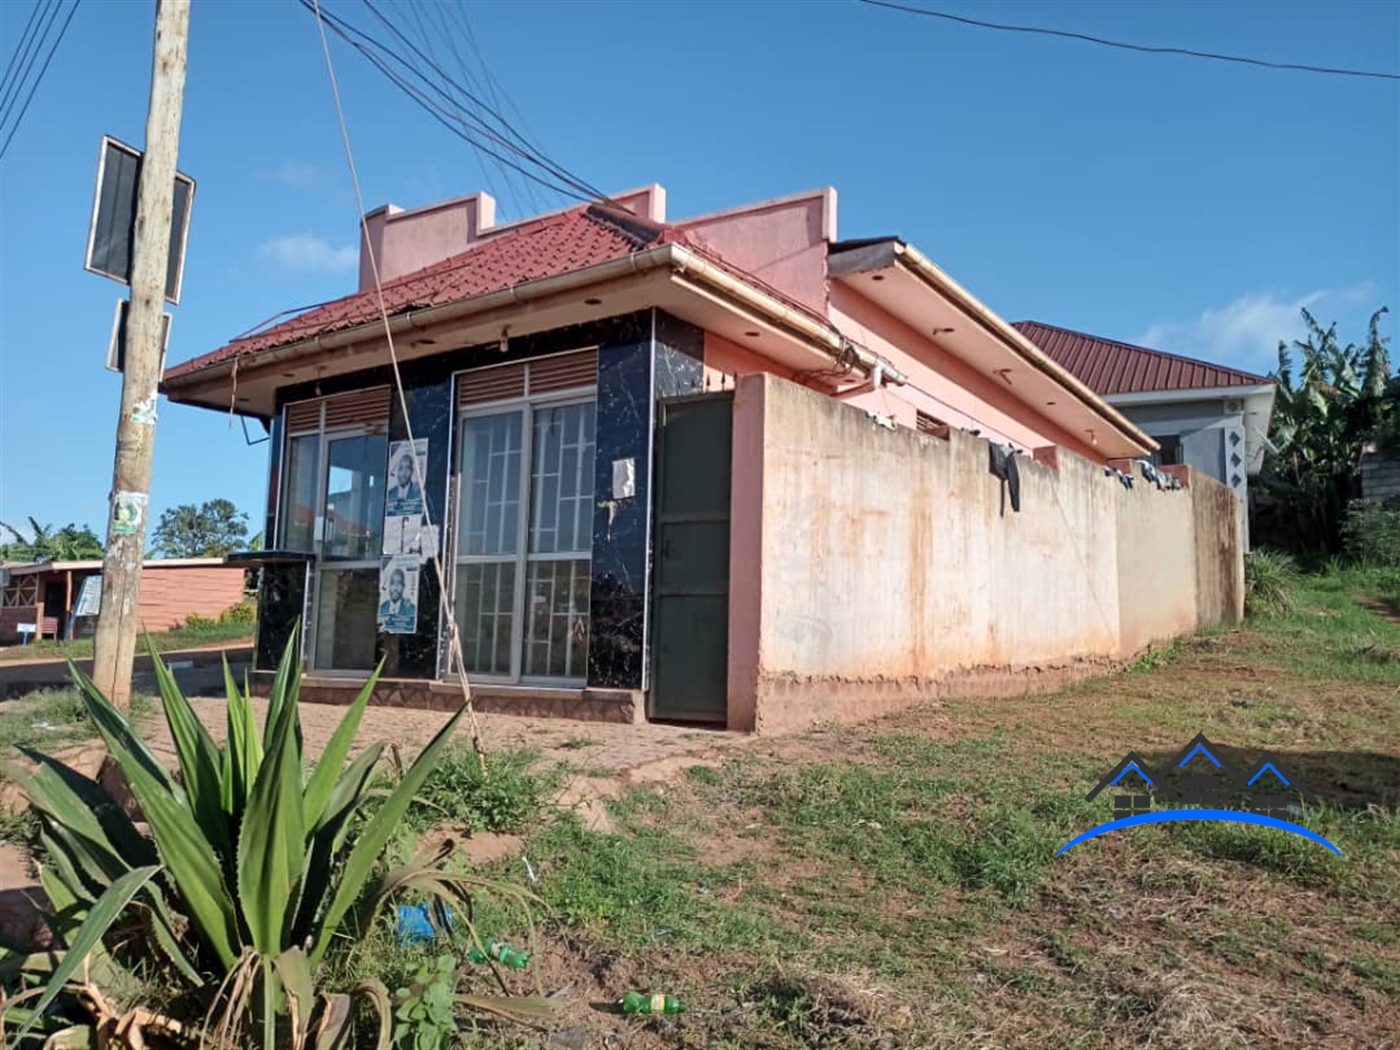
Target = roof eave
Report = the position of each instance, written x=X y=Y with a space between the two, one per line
x=680 y=263
x=895 y=252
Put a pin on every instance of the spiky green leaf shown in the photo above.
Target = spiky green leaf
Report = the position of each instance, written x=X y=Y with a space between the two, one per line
x=198 y=757
x=376 y=834
x=272 y=843
x=187 y=855
x=106 y=911
x=329 y=767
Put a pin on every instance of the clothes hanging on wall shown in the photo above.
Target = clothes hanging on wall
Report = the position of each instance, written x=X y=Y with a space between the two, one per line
x=1113 y=472
x=1003 y=466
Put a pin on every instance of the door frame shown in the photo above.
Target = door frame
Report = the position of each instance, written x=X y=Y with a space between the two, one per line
x=653 y=582
x=525 y=407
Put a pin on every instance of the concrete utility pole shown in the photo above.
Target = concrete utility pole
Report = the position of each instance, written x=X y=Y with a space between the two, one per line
x=117 y=622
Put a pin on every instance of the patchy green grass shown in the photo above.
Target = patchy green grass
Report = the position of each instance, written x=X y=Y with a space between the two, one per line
x=510 y=798
x=644 y=887
x=50 y=719
x=165 y=641
x=1330 y=635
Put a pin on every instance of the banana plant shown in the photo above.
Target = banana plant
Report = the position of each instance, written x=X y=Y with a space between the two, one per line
x=252 y=874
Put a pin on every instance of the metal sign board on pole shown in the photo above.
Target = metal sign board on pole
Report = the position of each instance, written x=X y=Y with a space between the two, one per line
x=89 y=601
x=116 y=345
x=111 y=231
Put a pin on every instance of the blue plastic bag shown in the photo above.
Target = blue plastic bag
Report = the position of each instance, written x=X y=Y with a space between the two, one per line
x=416 y=922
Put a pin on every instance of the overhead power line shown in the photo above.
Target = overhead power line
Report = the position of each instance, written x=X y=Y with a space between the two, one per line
x=19 y=119
x=12 y=67
x=470 y=121
x=25 y=62
x=1145 y=48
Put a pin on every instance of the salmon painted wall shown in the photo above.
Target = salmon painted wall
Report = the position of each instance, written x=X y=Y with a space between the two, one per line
x=726 y=361
x=957 y=393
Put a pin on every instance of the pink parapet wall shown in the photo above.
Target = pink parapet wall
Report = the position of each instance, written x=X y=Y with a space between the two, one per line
x=782 y=242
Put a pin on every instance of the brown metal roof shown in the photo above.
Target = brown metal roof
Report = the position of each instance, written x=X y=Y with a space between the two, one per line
x=1107 y=366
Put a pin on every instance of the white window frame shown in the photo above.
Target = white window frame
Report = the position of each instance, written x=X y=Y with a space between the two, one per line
x=526 y=406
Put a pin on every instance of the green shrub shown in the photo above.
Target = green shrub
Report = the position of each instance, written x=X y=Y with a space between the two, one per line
x=196 y=622
x=1270 y=583
x=1371 y=532
x=261 y=872
x=243 y=612
x=509 y=799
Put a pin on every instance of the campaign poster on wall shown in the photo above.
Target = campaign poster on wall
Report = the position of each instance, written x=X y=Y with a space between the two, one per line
x=405 y=496
x=398 y=594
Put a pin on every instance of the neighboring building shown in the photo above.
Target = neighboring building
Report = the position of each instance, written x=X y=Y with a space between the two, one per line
x=1209 y=417
x=1380 y=473
x=606 y=403
x=45 y=594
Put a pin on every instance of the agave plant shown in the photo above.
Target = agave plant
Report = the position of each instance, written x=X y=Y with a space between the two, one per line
x=251 y=875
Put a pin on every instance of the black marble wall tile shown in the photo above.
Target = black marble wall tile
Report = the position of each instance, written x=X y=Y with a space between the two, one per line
x=680 y=355
x=429 y=397
x=281 y=596
x=617 y=604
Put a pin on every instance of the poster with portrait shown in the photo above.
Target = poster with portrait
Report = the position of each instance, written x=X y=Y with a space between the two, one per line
x=403 y=535
x=398 y=594
x=405 y=496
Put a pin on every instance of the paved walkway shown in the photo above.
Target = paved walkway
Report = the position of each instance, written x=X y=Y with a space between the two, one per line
x=598 y=747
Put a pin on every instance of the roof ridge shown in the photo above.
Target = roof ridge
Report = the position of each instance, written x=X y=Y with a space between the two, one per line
x=1143 y=349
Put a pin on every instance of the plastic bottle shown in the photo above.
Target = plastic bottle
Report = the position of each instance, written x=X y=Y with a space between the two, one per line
x=505 y=954
x=638 y=1003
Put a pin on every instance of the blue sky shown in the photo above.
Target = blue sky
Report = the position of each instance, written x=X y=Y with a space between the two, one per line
x=1194 y=205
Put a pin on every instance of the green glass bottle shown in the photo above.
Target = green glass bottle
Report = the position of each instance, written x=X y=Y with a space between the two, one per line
x=505 y=954
x=638 y=1003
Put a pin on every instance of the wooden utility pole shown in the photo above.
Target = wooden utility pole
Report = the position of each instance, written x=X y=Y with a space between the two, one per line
x=117 y=622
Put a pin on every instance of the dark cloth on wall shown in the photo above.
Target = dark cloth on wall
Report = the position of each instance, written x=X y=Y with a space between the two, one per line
x=1003 y=466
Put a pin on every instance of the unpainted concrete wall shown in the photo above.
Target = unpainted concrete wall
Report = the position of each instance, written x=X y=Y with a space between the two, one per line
x=880 y=568
x=1380 y=474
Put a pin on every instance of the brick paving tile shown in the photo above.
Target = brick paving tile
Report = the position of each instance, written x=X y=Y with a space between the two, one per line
x=617 y=748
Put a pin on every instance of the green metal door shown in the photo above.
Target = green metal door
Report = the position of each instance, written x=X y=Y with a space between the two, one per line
x=690 y=619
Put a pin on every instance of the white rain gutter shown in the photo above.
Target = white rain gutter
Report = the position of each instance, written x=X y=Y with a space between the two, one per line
x=673 y=256
x=825 y=334
x=926 y=269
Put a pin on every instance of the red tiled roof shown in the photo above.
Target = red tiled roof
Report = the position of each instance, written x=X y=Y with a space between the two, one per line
x=581 y=237
x=1107 y=366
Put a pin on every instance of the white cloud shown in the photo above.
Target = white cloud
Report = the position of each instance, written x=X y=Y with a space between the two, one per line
x=308 y=253
x=1245 y=333
x=297 y=174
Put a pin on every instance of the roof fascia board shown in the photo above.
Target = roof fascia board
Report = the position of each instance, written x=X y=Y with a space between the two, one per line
x=873 y=257
x=915 y=261
x=868 y=257
x=1156 y=397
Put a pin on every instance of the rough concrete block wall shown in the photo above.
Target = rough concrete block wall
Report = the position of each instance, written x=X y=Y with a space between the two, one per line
x=886 y=570
x=1380 y=474
x=1220 y=538
x=1156 y=565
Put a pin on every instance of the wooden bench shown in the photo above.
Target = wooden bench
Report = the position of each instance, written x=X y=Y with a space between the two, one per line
x=48 y=625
